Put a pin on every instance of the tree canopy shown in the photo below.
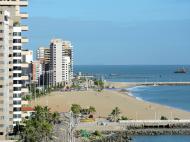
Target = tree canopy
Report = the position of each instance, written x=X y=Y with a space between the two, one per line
x=40 y=126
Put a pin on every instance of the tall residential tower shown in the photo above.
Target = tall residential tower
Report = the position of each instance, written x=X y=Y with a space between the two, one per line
x=61 y=61
x=11 y=42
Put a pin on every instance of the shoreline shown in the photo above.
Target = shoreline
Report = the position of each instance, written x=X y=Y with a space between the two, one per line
x=130 y=86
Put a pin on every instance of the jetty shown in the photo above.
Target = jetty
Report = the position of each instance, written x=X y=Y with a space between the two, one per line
x=132 y=84
x=122 y=131
x=159 y=83
x=136 y=124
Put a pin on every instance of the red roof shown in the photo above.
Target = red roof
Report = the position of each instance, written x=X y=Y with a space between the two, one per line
x=27 y=109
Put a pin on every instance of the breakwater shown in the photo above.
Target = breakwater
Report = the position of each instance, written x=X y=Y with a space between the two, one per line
x=123 y=131
x=132 y=84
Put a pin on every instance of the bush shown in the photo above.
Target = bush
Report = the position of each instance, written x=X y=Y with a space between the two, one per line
x=176 y=118
x=84 y=133
x=124 y=118
x=76 y=109
x=163 y=118
x=97 y=133
x=87 y=120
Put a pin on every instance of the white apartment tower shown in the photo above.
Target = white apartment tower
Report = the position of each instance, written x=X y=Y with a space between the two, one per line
x=10 y=46
x=17 y=72
x=61 y=61
x=43 y=54
x=6 y=83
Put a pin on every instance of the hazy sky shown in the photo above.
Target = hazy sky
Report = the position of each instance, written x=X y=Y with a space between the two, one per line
x=118 y=32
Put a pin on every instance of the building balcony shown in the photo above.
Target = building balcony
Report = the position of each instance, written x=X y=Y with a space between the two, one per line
x=14 y=3
x=24 y=28
x=17 y=112
x=24 y=15
x=1 y=35
x=17 y=99
x=24 y=90
x=25 y=78
x=17 y=85
x=25 y=65
x=17 y=78
x=25 y=40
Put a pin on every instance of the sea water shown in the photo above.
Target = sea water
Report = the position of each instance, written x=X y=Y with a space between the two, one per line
x=161 y=139
x=173 y=96
x=134 y=73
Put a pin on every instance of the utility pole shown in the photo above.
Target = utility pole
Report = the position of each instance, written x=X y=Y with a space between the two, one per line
x=35 y=91
x=43 y=74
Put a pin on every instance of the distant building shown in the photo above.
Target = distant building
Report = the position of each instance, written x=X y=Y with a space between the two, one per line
x=27 y=56
x=43 y=54
x=27 y=112
x=36 y=71
x=61 y=61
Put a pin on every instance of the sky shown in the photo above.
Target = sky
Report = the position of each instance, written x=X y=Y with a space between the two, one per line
x=114 y=32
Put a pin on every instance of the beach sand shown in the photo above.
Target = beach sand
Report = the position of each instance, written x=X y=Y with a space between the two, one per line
x=105 y=101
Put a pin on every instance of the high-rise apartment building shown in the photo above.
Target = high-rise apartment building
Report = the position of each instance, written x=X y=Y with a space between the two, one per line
x=17 y=73
x=6 y=74
x=43 y=54
x=61 y=61
x=11 y=41
x=27 y=58
x=36 y=70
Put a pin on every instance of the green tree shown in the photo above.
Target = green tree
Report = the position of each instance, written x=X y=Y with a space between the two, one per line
x=92 y=109
x=99 y=84
x=163 y=118
x=124 y=118
x=40 y=126
x=97 y=133
x=76 y=109
x=115 y=113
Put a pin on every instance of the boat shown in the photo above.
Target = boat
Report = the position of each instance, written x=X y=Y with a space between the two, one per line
x=181 y=70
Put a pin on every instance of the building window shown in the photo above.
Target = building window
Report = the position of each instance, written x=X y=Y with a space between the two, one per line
x=16 y=40
x=17 y=34
x=5 y=18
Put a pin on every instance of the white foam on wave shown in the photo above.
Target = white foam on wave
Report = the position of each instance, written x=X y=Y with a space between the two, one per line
x=136 y=88
x=130 y=94
x=138 y=98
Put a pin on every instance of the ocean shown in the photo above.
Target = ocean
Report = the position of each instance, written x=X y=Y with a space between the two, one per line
x=173 y=96
x=134 y=73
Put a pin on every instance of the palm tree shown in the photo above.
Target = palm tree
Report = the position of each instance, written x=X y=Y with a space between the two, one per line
x=76 y=109
x=91 y=109
x=55 y=117
x=40 y=126
x=115 y=113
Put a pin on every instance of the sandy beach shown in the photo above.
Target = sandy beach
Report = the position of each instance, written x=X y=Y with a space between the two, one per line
x=106 y=100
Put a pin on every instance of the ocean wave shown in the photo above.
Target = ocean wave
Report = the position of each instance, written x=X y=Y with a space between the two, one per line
x=137 y=88
x=132 y=95
x=140 y=99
